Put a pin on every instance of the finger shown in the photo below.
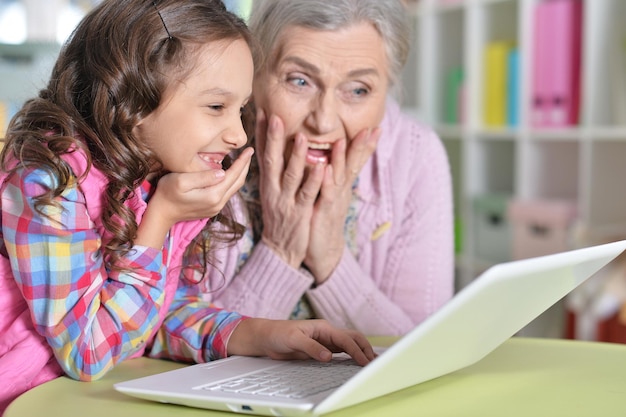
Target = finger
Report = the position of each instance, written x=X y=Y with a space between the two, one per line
x=361 y=149
x=312 y=348
x=241 y=164
x=353 y=343
x=271 y=162
x=292 y=178
x=310 y=189
x=205 y=179
x=201 y=179
x=356 y=352
x=236 y=174
x=219 y=194
x=329 y=194
x=260 y=131
x=338 y=159
x=364 y=345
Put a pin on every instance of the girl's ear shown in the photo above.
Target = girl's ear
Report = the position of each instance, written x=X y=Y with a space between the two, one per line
x=139 y=125
x=137 y=129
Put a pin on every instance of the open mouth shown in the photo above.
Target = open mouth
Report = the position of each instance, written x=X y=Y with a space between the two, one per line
x=212 y=160
x=318 y=153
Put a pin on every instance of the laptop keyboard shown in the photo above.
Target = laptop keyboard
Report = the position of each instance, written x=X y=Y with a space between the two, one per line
x=309 y=378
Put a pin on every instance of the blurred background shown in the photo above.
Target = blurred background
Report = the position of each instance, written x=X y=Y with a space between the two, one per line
x=46 y=20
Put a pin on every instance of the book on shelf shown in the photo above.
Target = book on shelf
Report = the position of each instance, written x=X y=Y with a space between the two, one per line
x=566 y=49
x=539 y=93
x=453 y=95
x=556 y=63
x=495 y=83
x=512 y=87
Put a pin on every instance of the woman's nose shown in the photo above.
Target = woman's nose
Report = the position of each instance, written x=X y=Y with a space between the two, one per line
x=323 y=116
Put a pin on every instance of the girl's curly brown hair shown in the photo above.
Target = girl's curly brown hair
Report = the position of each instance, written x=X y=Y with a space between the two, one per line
x=110 y=74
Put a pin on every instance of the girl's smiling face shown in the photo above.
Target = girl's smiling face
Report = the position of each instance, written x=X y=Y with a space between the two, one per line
x=327 y=85
x=199 y=119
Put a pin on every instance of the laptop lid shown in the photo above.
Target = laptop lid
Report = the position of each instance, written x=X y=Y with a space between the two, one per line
x=491 y=309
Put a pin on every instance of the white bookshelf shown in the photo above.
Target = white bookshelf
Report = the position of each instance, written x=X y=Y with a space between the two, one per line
x=585 y=164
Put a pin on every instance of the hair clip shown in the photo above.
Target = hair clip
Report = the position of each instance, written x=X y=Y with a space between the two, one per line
x=169 y=35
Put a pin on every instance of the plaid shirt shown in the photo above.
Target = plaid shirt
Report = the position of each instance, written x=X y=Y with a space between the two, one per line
x=90 y=316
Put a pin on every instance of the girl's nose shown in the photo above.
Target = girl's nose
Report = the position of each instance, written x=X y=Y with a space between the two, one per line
x=236 y=135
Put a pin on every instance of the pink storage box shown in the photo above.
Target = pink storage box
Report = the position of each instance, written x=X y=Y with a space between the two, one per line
x=540 y=227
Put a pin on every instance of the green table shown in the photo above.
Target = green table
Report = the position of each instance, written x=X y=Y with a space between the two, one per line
x=523 y=377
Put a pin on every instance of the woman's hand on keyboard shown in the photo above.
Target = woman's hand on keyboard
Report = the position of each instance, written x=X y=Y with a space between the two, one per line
x=298 y=339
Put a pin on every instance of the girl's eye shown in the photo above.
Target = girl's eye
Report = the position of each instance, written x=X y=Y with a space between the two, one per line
x=216 y=107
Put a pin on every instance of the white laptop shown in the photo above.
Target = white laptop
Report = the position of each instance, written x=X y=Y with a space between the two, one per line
x=483 y=315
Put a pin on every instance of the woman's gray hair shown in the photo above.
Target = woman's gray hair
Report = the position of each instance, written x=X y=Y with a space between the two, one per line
x=270 y=17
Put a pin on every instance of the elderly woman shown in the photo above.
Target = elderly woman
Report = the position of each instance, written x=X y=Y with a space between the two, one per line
x=349 y=207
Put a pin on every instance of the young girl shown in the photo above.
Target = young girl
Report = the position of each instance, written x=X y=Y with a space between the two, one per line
x=110 y=180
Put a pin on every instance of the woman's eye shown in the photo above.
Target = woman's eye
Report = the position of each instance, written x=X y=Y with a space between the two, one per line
x=298 y=81
x=355 y=91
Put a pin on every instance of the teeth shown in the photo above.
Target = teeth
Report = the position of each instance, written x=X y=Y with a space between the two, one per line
x=319 y=145
x=209 y=159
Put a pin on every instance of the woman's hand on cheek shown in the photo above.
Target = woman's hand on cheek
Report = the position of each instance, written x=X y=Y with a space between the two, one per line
x=287 y=197
x=327 y=240
x=360 y=150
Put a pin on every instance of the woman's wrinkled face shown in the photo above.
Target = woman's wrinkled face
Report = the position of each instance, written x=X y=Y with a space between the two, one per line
x=327 y=85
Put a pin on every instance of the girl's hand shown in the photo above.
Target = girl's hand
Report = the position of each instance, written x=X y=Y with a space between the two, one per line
x=327 y=242
x=199 y=195
x=190 y=196
x=298 y=339
x=287 y=197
